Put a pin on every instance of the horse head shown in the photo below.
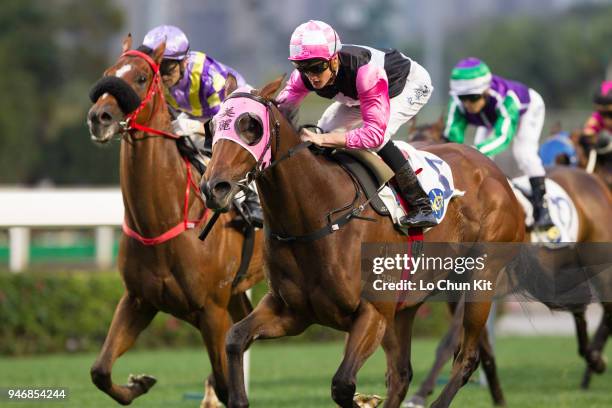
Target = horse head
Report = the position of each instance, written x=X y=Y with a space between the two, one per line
x=127 y=92
x=245 y=130
x=431 y=132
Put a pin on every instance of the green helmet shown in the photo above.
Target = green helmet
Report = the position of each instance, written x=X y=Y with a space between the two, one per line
x=470 y=76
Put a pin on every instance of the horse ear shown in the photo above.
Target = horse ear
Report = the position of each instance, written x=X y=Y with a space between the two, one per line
x=270 y=89
x=412 y=125
x=230 y=84
x=158 y=53
x=440 y=122
x=127 y=43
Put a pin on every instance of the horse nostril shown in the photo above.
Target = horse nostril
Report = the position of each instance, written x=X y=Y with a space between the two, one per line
x=106 y=118
x=221 y=189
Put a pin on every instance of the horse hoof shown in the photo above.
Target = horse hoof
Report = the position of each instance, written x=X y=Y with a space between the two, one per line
x=143 y=382
x=367 y=401
x=598 y=363
x=414 y=402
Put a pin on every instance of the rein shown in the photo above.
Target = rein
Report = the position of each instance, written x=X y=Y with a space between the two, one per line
x=129 y=125
x=333 y=225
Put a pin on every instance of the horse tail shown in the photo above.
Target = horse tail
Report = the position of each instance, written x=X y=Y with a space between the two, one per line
x=553 y=277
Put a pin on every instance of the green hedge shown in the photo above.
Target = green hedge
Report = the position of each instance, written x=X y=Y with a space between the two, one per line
x=71 y=311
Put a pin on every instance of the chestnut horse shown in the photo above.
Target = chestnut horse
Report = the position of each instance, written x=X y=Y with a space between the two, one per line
x=594 y=206
x=182 y=276
x=318 y=281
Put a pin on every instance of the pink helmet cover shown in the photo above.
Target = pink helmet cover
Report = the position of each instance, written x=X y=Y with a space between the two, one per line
x=225 y=124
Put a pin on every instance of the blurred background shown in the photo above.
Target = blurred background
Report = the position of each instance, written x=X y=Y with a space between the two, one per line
x=52 y=51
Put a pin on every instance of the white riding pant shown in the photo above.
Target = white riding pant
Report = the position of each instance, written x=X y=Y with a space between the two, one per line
x=403 y=107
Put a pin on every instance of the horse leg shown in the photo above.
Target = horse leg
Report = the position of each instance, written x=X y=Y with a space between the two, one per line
x=581 y=332
x=270 y=319
x=397 y=344
x=474 y=320
x=445 y=351
x=487 y=362
x=363 y=338
x=239 y=307
x=131 y=317
x=595 y=349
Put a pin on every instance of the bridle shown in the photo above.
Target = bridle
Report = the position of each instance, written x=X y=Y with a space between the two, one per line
x=260 y=170
x=130 y=125
x=260 y=167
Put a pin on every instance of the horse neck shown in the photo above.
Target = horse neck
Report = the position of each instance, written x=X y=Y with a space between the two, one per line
x=298 y=192
x=152 y=175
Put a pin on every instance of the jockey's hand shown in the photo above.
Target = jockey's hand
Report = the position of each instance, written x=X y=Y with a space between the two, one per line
x=310 y=136
x=333 y=139
x=185 y=126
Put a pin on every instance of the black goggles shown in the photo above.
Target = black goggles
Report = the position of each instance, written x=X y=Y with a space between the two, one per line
x=313 y=67
x=606 y=114
x=470 y=98
x=167 y=66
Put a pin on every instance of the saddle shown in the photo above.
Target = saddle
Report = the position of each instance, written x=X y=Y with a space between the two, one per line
x=434 y=174
x=369 y=170
x=561 y=207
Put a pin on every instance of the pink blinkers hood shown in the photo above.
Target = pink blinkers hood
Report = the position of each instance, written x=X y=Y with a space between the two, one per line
x=225 y=124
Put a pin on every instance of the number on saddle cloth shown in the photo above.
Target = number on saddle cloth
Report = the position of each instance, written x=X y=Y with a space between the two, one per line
x=448 y=191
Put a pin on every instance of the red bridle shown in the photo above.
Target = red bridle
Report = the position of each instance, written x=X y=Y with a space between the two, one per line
x=131 y=124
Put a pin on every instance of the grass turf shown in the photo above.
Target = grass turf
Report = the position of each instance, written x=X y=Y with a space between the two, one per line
x=535 y=372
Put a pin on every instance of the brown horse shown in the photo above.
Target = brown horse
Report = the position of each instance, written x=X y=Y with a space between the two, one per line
x=319 y=281
x=181 y=276
x=594 y=206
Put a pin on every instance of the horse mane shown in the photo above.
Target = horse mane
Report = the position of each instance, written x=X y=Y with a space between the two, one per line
x=146 y=50
x=291 y=114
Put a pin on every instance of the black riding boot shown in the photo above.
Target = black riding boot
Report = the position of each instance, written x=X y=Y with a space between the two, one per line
x=420 y=213
x=541 y=216
x=252 y=209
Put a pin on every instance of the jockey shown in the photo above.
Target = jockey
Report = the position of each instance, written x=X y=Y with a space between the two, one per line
x=375 y=92
x=502 y=110
x=195 y=87
x=601 y=119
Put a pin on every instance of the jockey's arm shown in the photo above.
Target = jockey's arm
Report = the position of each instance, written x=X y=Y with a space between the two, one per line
x=456 y=123
x=373 y=91
x=294 y=92
x=508 y=115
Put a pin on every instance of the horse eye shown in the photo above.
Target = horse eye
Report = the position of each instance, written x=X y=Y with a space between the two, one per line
x=141 y=79
x=250 y=128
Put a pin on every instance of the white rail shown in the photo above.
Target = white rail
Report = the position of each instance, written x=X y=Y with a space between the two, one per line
x=22 y=209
